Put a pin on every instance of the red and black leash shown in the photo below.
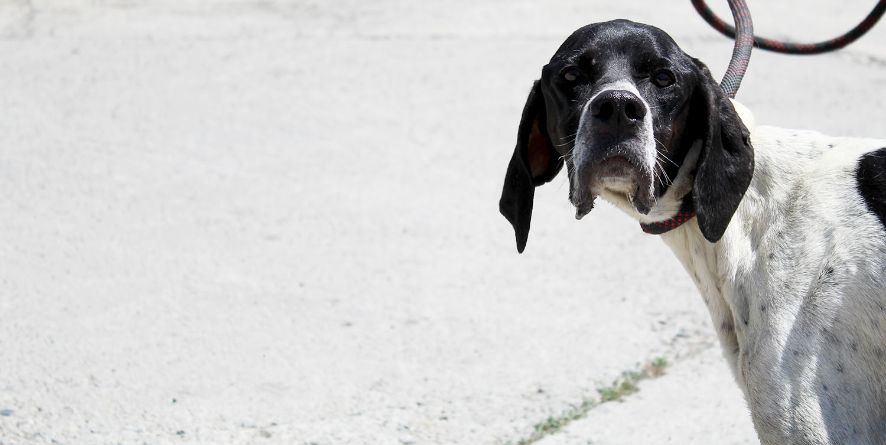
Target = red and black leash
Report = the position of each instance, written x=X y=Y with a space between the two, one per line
x=745 y=39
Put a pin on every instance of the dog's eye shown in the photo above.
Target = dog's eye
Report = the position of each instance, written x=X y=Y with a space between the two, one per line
x=662 y=78
x=571 y=74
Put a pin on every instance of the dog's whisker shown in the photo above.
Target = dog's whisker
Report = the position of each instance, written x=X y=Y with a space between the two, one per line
x=657 y=177
x=666 y=158
x=663 y=173
x=662 y=179
x=569 y=153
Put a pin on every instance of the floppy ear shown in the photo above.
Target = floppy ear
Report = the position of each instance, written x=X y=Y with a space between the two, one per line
x=534 y=163
x=726 y=162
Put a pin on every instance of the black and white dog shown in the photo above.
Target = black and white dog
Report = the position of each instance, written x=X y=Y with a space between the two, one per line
x=781 y=230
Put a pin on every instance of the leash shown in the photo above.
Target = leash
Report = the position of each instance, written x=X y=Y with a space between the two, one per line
x=743 y=33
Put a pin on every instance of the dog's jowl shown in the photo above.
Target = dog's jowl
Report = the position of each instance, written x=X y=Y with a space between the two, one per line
x=783 y=231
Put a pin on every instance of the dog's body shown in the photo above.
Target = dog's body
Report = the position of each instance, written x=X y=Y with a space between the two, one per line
x=788 y=247
x=796 y=288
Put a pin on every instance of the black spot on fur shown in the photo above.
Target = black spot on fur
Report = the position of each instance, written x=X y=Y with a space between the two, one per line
x=839 y=367
x=870 y=176
x=824 y=387
x=796 y=353
x=762 y=308
x=854 y=346
x=825 y=279
x=830 y=145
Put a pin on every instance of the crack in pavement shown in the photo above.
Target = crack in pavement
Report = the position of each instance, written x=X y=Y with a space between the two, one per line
x=623 y=387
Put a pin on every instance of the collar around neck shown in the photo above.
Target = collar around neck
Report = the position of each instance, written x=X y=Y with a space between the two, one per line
x=686 y=213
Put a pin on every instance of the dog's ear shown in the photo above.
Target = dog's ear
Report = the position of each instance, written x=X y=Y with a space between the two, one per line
x=534 y=163
x=726 y=162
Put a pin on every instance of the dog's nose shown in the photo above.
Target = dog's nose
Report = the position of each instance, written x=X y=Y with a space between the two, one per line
x=617 y=108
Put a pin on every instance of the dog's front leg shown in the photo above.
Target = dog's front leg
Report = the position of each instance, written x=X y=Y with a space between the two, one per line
x=784 y=404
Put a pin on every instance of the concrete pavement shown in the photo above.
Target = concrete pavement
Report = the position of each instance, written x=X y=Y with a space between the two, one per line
x=275 y=222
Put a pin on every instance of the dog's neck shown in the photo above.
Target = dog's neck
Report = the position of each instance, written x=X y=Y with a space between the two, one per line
x=722 y=270
x=713 y=267
x=719 y=268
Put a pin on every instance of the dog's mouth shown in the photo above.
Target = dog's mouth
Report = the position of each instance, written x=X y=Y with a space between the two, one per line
x=617 y=174
x=616 y=178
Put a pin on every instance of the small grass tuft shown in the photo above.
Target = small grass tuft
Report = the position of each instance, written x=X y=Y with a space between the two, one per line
x=621 y=387
x=657 y=366
x=618 y=389
x=627 y=383
x=555 y=423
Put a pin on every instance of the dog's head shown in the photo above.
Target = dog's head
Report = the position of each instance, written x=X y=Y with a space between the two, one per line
x=637 y=122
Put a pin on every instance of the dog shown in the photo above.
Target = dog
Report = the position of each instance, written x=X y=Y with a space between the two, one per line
x=782 y=231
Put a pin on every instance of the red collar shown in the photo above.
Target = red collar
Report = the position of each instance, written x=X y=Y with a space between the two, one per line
x=686 y=212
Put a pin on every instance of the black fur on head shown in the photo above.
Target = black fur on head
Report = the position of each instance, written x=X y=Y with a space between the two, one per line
x=616 y=100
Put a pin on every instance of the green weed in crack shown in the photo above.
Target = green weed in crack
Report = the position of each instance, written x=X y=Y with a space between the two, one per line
x=623 y=386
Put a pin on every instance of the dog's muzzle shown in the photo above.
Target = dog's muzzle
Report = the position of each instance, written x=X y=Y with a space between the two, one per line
x=612 y=148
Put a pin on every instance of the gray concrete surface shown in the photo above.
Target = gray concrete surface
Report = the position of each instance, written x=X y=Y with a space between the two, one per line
x=695 y=403
x=275 y=222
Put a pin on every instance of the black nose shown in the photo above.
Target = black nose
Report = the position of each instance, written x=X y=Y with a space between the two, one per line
x=618 y=107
